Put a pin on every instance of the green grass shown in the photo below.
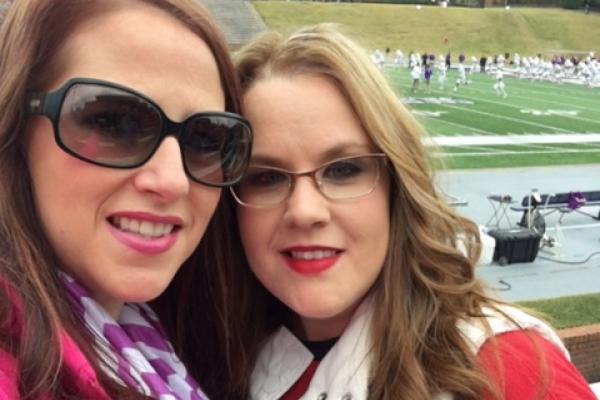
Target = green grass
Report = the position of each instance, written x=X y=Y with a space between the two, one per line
x=568 y=312
x=539 y=108
x=472 y=31
x=478 y=109
x=532 y=108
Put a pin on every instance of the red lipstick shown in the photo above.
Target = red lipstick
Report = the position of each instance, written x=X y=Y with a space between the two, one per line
x=310 y=260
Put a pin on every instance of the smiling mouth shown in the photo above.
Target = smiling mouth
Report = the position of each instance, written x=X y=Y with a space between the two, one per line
x=143 y=228
x=312 y=255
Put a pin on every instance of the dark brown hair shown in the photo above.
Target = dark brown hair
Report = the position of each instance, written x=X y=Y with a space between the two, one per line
x=193 y=306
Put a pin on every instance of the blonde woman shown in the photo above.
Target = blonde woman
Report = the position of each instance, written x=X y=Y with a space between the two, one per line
x=359 y=288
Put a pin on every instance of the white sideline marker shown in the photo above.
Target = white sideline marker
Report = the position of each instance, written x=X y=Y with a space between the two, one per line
x=450 y=141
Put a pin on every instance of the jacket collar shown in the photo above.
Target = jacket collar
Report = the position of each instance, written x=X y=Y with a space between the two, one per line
x=342 y=372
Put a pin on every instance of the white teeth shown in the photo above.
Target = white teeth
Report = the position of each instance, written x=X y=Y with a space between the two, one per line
x=313 y=255
x=123 y=223
x=134 y=225
x=158 y=229
x=147 y=229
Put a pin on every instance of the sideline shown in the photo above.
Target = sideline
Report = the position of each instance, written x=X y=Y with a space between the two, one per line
x=567 y=138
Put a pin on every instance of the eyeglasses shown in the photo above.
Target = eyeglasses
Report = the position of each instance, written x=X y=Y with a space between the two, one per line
x=342 y=179
x=113 y=126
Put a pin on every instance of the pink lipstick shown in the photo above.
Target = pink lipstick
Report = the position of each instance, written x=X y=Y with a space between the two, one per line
x=144 y=232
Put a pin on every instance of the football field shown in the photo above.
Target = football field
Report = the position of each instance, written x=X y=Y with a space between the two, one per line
x=539 y=123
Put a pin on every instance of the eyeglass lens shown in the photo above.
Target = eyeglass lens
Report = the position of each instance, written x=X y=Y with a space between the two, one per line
x=341 y=179
x=108 y=126
x=116 y=128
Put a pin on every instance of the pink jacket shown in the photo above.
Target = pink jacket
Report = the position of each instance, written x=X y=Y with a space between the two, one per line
x=77 y=371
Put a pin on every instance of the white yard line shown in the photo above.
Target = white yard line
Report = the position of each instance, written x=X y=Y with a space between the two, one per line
x=487 y=150
x=563 y=104
x=564 y=92
x=465 y=94
x=524 y=152
x=476 y=86
x=461 y=126
x=529 y=146
x=512 y=140
x=529 y=87
x=557 y=103
x=520 y=121
x=541 y=147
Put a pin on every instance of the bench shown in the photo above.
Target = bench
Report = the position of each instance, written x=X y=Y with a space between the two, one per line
x=564 y=203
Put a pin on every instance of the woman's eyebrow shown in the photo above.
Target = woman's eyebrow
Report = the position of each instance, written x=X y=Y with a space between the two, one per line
x=337 y=151
x=346 y=149
x=263 y=159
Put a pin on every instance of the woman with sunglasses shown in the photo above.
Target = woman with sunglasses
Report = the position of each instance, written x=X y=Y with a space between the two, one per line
x=362 y=279
x=117 y=134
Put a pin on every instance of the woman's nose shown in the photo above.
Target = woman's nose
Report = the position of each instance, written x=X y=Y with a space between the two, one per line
x=164 y=174
x=306 y=206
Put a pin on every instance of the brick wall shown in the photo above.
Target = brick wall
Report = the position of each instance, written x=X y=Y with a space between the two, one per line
x=584 y=345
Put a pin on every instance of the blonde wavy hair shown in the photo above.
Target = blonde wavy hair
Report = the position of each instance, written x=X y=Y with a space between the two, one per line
x=427 y=283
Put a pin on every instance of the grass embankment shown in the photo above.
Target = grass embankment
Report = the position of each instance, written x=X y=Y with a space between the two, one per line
x=568 y=312
x=471 y=31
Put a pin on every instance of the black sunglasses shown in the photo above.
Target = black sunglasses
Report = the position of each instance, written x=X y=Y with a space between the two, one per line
x=113 y=126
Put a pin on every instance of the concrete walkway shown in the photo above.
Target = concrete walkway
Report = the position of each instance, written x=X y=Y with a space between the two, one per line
x=572 y=268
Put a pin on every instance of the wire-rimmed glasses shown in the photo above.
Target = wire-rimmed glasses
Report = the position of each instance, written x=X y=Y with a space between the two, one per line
x=342 y=179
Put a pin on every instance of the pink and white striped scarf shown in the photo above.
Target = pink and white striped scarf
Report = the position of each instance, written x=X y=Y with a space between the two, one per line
x=134 y=350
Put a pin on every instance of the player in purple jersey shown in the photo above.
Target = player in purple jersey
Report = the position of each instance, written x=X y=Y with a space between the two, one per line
x=427 y=75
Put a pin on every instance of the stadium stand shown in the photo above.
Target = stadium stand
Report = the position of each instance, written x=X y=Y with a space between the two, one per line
x=237 y=19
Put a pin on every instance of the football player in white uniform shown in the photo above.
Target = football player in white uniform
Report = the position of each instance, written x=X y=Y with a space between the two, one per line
x=499 y=85
x=462 y=74
x=441 y=69
x=398 y=59
x=415 y=74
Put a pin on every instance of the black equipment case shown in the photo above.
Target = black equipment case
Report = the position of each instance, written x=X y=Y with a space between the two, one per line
x=515 y=245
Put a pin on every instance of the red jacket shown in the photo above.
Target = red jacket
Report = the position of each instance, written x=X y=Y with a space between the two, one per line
x=514 y=364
